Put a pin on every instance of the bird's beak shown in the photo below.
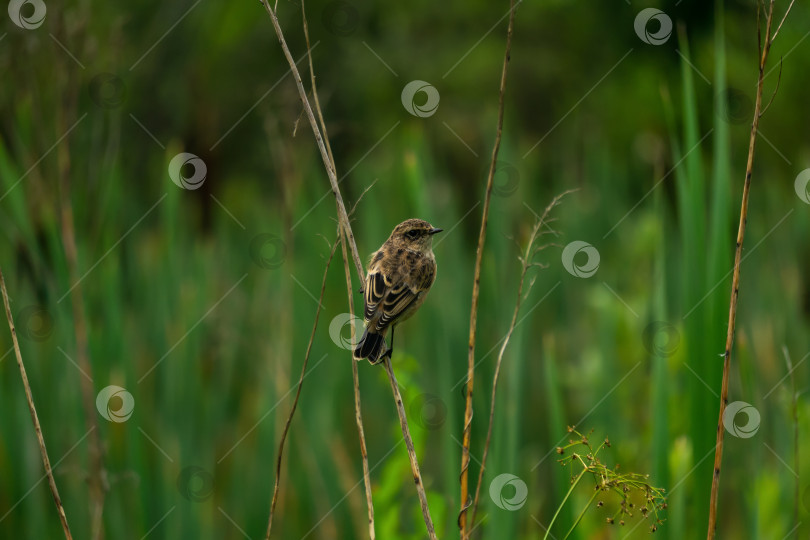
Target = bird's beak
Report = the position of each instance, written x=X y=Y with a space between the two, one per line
x=435 y=230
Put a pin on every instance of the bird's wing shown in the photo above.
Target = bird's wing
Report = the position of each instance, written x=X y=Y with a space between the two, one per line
x=386 y=301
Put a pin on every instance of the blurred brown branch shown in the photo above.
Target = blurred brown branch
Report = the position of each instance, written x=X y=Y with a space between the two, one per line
x=97 y=478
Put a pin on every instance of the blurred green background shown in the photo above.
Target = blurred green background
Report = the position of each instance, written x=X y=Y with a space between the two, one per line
x=200 y=302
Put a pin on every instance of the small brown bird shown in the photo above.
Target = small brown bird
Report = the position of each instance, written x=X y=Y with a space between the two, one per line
x=400 y=274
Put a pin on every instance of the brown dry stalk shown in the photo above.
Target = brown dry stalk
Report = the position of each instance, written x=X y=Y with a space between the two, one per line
x=355 y=377
x=343 y=217
x=468 y=411
x=40 y=439
x=735 y=281
x=297 y=393
x=97 y=478
x=406 y=434
x=346 y=228
x=358 y=416
x=315 y=91
x=526 y=261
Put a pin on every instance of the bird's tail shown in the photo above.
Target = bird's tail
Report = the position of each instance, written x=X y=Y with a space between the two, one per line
x=370 y=346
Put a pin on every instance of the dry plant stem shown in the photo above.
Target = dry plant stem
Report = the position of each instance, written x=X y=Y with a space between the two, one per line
x=345 y=231
x=315 y=93
x=343 y=217
x=40 y=439
x=735 y=281
x=527 y=263
x=97 y=478
x=357 y=409
x=297 y=394
x=468 y=411
x=345 y=225
x=406 y=434
x=358 y=416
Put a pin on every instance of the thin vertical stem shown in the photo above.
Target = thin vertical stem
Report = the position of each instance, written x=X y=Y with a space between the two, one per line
x=358 y=416
x=482 y=234
x=417 y=475
x=276 y=484
x=735 y=281
x=30 y=399
x=343 y=217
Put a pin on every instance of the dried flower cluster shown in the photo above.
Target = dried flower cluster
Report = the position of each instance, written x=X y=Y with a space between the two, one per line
x=609 y=481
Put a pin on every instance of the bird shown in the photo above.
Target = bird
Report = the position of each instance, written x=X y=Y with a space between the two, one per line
x=400 y=275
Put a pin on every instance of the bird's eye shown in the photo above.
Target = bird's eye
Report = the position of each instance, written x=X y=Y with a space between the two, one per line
x=413 y=234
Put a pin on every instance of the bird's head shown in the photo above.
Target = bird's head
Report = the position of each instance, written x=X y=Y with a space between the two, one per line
x=415 y=235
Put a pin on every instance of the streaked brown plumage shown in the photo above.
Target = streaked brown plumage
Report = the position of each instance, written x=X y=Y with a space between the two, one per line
x=400 y=275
